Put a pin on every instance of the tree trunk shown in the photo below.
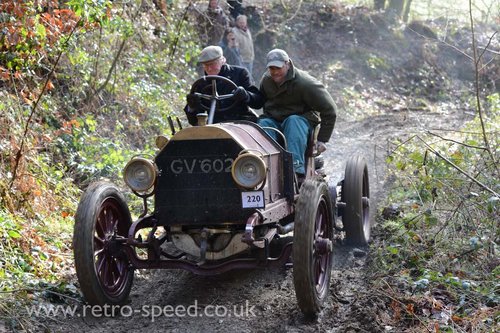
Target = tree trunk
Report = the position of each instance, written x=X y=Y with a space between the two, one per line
x=161 y=6
x=379 y=4
x=406 y=13
x=396 y=7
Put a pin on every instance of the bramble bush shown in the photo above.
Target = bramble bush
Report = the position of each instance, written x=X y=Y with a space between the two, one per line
x=443 y=241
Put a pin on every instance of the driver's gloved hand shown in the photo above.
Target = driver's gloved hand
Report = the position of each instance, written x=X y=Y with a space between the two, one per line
x=194 y=102
x=240 y=94
x=320 y=147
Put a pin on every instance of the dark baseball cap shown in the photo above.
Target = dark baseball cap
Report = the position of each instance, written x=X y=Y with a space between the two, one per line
x=277 y=58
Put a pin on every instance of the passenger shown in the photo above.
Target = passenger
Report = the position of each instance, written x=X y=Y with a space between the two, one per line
x=295 y=103
x=246 y=94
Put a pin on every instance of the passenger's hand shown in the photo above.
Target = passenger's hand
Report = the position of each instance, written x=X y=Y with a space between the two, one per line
x=194 y=102
x=240 y=94
x=320 y=147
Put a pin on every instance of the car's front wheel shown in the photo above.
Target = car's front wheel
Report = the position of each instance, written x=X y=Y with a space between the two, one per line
x=102 y=222
x=312 y=246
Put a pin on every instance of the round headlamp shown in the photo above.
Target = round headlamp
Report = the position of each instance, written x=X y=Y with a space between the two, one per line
x=140 y=174
x=248 y=170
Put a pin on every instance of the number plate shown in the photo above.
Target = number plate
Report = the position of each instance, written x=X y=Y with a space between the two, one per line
x=252 y=199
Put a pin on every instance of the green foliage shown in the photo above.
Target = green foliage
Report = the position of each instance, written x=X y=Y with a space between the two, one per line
x=447 y=233
x=106 y=104
x=32 y=251
x=376 y=64
x=493 y=104
x=89 y=156
x=91 y=11
x=32 y=35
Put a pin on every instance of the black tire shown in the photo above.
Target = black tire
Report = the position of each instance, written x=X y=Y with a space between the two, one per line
x=102 y=267
x=356 y=196
x=312 y=246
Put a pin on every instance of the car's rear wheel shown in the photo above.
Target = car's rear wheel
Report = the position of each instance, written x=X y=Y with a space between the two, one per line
x=312 y=246
x=356 y=196
x=102 y=222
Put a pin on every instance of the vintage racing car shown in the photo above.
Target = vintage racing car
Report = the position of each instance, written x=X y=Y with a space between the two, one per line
x=224 y=195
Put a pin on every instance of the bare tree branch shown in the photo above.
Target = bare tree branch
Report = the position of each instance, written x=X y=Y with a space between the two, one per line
x=19 y=153
x=444 y=43
x=478 y=100
x=178 y=30
x=111 y=69
x=457 y=142
x=435 y=152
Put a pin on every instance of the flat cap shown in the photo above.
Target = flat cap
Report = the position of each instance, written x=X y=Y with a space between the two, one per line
x=210 y=53
x=277 y=58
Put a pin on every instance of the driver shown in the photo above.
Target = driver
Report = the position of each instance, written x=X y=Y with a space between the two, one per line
x=245 y=95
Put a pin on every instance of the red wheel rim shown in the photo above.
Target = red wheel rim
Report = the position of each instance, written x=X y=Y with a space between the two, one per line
x=321 y=259
x=110 y=263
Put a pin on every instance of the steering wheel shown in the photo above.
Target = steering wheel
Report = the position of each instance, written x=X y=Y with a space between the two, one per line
x=214 y=96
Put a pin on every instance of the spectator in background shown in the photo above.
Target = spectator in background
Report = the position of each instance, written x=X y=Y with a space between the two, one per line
x=235 y=8
x=216 y=22
x=230 y=49
x=245 y=42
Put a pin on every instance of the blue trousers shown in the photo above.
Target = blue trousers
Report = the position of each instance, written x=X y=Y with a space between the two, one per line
x=249 y=67
x=296 y=130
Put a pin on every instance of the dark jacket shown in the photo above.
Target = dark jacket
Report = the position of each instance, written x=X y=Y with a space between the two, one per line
x=235 y=7
x=215 y=24
x=239 y=111
x=300 y=94
x=232 y=55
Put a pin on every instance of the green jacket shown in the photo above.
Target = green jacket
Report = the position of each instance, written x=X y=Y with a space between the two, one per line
x=300 y=94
